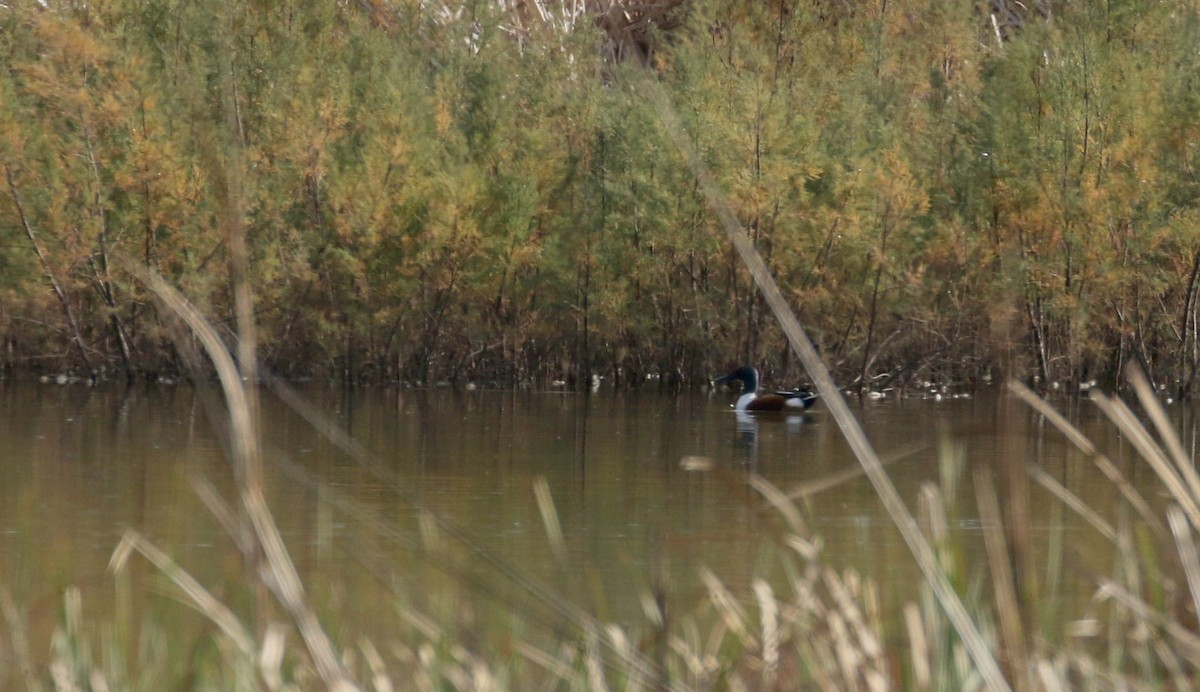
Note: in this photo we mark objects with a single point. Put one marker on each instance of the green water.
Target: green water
(78, 466)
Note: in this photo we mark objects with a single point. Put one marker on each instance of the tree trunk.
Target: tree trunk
(100, 273)
(76, 336)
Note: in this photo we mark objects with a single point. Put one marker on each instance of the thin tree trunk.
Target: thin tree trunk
(100, 273)
(872, 316)
(76, 335)
(1187, 324)
(582, 343)
(1037, 326)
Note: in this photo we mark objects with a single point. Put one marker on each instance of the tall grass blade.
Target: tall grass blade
(810, 488)
(1167, 435)
(1049, 677)
(1001, 571)
(1073, 501)
(620, 643)
(1173, 665)
(270, 657)
(545, 503)
(545, 661)
(20, 639)
(593, 661)
(865, 640)
(199, 597)
(1131, 640)
(380, 681)
(284, 582)
(1185, 543)
(780, 501)
(1140, 438)
(931, 508)
(1187, 639)
(224, 515)
(918, 646)
(731, 612)
(769, 613)
(1081, 442)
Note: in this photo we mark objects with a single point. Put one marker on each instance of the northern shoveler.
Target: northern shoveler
(795, 400)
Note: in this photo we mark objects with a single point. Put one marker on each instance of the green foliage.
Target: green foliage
(474, 193)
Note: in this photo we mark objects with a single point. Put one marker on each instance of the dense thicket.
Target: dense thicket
(479, 190)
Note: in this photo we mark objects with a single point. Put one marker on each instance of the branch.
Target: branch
(59, 293)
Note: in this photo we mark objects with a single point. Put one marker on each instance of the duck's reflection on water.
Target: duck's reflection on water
(747, 425)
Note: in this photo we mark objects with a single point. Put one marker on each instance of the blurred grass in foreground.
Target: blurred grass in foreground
(819, 626)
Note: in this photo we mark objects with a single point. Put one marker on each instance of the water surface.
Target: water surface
(81, 465)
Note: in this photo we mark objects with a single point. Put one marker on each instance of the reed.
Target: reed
(818, 627)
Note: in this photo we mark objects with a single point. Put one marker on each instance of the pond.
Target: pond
(436, 512)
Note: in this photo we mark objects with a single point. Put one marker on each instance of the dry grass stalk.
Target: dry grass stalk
(19, 638)
(224, 515)
(1185, 543)
(849, 658)
(727, 607)
(593, 661)
(434, 531)
(824, 629)
(198, 596)
(1050, 679)
(1172, 663)
(1135, 638)
(619, 642)
(72, 670)
(422, 623)
(781, 502)
(716, 642)
(545, 661)
(1187, 640)
(1166, 432)
(379, 675)
(931, 508)
(1148, 449)
(693, 660)
(818, 657)
(769, 614)
(63, 680)
(652, 609)
(1000, 567)
(806, 490)
(280, 574)
(809, 550)
(482, 678)
(932, 511)
(1137, 633)
(554, 534)
(918, 646)
(1073, 501)
(865, 640)
(1081, 442)
(270, 657)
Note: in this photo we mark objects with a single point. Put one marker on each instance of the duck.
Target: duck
(794, 400)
